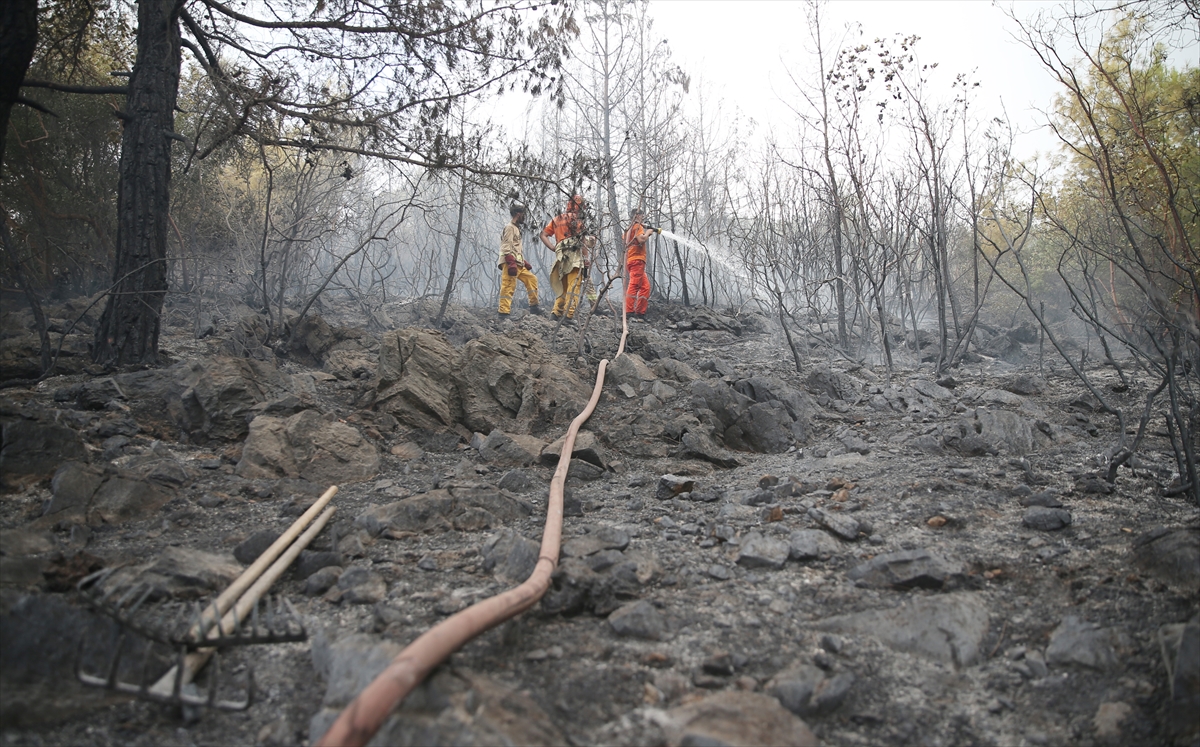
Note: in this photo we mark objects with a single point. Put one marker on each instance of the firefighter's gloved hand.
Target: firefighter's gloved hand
(511, 262)
(528, 266)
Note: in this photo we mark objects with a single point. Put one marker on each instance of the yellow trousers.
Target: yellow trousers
(508, 286)
(570, 295)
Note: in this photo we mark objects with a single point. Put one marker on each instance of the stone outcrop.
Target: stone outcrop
(745, 424)
(510, 382)
(213, 399)
(307, 446)
(415, 373)
(465, 507)
(31, 451)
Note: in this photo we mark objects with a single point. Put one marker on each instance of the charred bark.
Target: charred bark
(18, 38)
(129, 327)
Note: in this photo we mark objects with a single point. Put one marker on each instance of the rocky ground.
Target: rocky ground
(751, 555)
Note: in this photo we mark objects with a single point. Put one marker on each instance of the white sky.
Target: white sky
(743, 48)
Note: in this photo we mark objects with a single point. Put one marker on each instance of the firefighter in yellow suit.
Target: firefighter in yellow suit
(570, 257)
(513, 264)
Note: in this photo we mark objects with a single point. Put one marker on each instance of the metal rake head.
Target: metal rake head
(152, 630)
(142, 607)
(270, 620)
(168, 687)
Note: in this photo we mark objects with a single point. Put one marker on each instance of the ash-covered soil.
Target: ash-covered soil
(750, 553)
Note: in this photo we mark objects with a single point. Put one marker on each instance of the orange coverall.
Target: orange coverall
(637, 292)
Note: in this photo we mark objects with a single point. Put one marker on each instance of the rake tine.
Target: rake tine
(249, 684)
(254, 620)
(197, 628)
(104, 597)
(116, 660)
(161, 620)
(95, 578)
(141, 599)
(178, 687)
(293, 616)
(125, 598)
(79, 659)
(270, 603)
(213, 676)
(145, 679)
(210, 618)
(206, 619)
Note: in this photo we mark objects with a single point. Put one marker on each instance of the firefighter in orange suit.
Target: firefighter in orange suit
(637, 285)
(570, 257)
(513, 265)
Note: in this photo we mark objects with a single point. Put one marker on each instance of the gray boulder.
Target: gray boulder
(1025, 384)
(1172, 555)
(464, 708)
(765, 427)
(670, 368)
(1045, 519)
(1077, 641)
(213, 399)
(604, 538)
(758, 551)
(735, 718)
(509, 381)
(71, 490)
(670, 486)
(840, 524)
(416, 383)
(124, 498)
(510, 451)
(307, 446)
(799, 404)
(1006, 431)
(587, 447)
(833, 384)
(37, 669)
(946, 627)
(805, 690)
(906, 569)
(927, 388)
(811, 544)
(638, 620)
(698, 444)
(311, 338)
(361, 586)
(718, 366)
(743, 424)
(347, 666)
(32, 451)
(467, 507)
(630, 369)
(510, 556)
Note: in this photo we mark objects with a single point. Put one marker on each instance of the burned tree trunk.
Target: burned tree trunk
(458, 231)
(18, 38)
(129, 327)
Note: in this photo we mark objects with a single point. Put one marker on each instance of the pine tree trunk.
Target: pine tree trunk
(18, 38)
(129, 327)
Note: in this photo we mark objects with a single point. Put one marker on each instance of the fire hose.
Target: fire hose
(361, 719)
